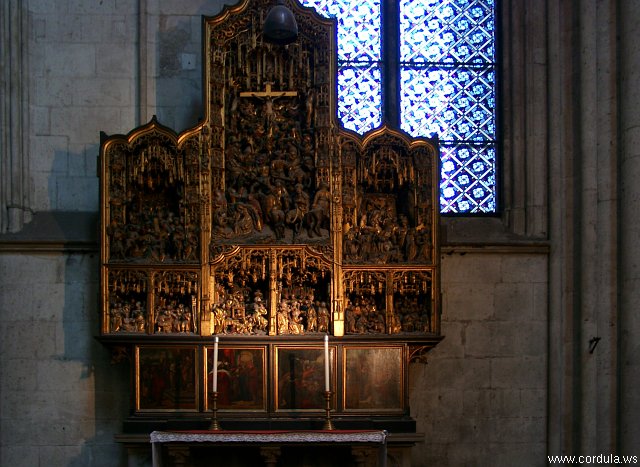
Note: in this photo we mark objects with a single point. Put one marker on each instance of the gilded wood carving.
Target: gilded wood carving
(267, 218)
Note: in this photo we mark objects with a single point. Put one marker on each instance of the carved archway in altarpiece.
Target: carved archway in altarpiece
(269, 226)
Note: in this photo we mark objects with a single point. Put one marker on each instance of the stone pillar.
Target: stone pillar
(583, 300)
(600, 284)
(562, 309)
(524, 117)
(14, 117)
(629, 221)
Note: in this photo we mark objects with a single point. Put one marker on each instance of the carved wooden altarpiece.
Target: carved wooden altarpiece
(269, 225)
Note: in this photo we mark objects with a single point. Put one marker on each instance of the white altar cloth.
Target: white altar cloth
(224, 437)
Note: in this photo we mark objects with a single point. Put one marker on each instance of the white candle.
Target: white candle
(215, 364)
(326, 363)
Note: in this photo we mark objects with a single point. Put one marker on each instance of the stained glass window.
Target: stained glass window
(447, 81)
(359, 55)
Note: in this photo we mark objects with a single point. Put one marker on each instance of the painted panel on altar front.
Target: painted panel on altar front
(301, 378)
(166, 379)
(241, 383)
(373, 379)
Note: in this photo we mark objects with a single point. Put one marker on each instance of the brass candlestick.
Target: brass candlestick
(328, 424)
(214, 426)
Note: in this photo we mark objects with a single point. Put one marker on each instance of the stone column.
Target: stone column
(14, 120)
(629, 221)
(583, 300)
(524, 117)
(562, 307)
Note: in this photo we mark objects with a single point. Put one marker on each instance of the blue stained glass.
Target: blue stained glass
(359, 54)
(447, 81)
(360, 97)
(468, 182)
(453, 103)
(359, 37)
(448, 85)
(447, 31)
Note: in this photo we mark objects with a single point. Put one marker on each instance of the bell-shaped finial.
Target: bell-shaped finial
(280, 25)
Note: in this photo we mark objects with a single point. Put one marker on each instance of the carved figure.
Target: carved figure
(283, 319)
(322, 199)
(309, 107)
(312, 316)
(350, 318)
(323, 317)
(184, 318)
(260, 313)
(138, 318)
(219, 318)
(128, 323)
(116, 318)
(296, 215)
(318, 217)
(295, 319)
(164, 320)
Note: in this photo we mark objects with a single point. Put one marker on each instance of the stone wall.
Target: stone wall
(105, 66)
(481, 398)
(61, 401)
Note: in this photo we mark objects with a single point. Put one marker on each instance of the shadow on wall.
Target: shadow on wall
(179, 96)
(73, 186)
(89, 395)
(90, 401)
(105, 385)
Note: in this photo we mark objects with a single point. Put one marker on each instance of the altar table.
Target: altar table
(368, 447)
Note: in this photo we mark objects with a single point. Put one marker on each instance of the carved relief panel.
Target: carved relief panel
(278, 291)
(271, 118)
(389, 235)
(152, 212)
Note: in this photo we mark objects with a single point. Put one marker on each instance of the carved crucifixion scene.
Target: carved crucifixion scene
(270, 143)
